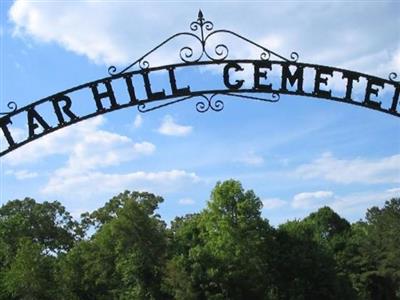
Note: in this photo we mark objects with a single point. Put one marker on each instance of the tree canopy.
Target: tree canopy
(124, 250)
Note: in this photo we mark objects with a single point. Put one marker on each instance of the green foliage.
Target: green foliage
(227, 251)
(124, 258)
(31, 274)
(47, 224)
(327, 225)
(30, 235)
(373, 253)
(306, 262)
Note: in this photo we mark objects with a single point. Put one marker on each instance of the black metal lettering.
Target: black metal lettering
(109, 93)
(259, 74)
(4, 121)
(33, 117)
(172, 80)
(228, 84)
(150, 94)
(395, 101)
(297, 76)
(319, 71)
(351, 77)
(131, 89)
(66, 108)
(370, 90)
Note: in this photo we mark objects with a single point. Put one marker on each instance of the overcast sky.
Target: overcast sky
(297, 155)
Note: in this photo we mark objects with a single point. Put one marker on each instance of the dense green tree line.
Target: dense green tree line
(227, 251)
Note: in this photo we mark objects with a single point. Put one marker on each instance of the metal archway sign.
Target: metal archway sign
(292, 82)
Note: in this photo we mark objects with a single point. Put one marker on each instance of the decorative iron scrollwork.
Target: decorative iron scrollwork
(12, 106)
(207, 101)
(201, 31)
(392, 76)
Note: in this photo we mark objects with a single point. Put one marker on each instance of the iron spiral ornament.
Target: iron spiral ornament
(393, 76)
(201, 31)
(12, 106)
(208, 102)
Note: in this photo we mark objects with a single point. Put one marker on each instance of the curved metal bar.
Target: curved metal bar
(275, 97)
(203, 32)
(142, 106)
(193, 94)
(12, 106)
(186, 53)
(112, 69)
(199, 63)
(293, 55)
(207, 103)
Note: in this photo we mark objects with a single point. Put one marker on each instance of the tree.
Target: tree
(373, 253)
(47, 223)
(184, 273)
(31, 236)
(124, 259)
(305, 268)
(311, 262)
(226, 250)
(327, 225)
(30, 274)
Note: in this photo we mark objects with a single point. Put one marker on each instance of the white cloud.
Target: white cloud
(394, 190)
(346, 171)
(109, 33)
(144, 148)
(59, 142)
(186, 201)
(348, 205)
(98, 45)
(86, 144)
(88, 184)
(18, 134)
(251, 158)
(309, 200)
(169, 127)
(103, 149)
(272, 203)
(22, 174)
(396, 59)
(356, 202)
(89, 152)
(138, 121)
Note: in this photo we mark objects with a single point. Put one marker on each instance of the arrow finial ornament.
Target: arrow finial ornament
(200, 15)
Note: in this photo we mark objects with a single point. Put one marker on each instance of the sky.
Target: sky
(297, 155)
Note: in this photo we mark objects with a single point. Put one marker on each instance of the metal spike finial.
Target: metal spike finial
(200, 15)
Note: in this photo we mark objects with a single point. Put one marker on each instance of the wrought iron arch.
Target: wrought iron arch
(201, 31)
